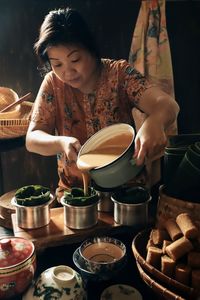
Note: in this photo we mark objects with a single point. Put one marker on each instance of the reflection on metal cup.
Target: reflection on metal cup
(31, 217)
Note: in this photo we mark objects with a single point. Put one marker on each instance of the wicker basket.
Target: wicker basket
(139, 250)
(169, 207)
(157, 287)
(11, 128)
(8, 96)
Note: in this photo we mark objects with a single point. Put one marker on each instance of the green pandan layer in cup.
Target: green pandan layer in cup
(32, 195)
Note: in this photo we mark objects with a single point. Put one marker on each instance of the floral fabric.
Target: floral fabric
(73, 113)
(150, 51)
(150, 55)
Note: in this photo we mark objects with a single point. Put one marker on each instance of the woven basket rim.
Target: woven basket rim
(157, 287)
(139, 243)
(16, 127)
(22, 113)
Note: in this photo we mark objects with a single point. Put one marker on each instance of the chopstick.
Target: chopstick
(20, 100)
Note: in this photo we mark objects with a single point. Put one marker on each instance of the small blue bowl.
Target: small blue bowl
(103, 254)
(91, 276)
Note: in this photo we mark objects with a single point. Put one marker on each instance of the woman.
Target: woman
(82, 93)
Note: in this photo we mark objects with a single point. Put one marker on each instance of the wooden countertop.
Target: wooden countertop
(56, 233)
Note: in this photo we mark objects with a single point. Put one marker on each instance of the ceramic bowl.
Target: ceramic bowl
(103, 254)
(91, 276)
(17, 266)
(121, 292)
(58, 282)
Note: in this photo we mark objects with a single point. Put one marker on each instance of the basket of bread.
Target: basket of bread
(13, 122)
(170, 255)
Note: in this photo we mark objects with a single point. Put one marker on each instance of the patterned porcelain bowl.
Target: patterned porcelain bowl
(17, 266)
(91, 276)
(103, 254)
(58, 282)
(121, 292)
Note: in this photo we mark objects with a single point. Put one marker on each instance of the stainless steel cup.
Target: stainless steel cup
(31, 217)
(80, 217)
(131, 214)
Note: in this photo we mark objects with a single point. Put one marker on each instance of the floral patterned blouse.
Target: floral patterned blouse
(73, 113)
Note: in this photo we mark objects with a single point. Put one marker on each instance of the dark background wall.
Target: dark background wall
(113, 23)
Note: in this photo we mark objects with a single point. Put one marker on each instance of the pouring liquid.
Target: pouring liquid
(104, 154)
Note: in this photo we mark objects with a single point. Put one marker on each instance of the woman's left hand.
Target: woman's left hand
(150, 141)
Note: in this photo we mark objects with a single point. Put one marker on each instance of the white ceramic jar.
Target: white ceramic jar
(58, 282)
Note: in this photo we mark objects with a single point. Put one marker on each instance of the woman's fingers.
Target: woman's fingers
(71, 148)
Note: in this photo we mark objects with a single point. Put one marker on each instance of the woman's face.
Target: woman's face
(73, 65)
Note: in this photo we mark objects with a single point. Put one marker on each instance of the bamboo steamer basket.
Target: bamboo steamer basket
(169, 207)
(15, 122)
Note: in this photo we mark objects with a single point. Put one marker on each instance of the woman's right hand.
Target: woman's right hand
(71, 147)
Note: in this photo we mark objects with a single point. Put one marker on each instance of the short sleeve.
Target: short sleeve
(134, 83)
(45, 105)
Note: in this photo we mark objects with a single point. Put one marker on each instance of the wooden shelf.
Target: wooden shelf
(56, 233)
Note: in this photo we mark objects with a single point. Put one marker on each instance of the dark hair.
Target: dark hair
(64, 26)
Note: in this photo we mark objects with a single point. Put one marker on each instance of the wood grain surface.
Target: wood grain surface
(56, 233)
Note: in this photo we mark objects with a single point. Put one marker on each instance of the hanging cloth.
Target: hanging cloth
(150, 54)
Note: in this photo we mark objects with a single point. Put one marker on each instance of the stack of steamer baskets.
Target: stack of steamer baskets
(13, 123)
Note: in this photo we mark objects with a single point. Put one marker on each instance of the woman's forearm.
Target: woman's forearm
(160, 106)
(43, 143)
(165, 111)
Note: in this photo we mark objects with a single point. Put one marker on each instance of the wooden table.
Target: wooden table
(56, 233)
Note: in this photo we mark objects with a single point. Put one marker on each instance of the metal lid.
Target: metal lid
(14, 251)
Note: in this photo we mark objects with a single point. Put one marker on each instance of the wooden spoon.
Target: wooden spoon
(20, 100)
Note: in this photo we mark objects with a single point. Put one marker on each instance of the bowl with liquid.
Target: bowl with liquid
(103, 254)
(88, 275)
(107, 156)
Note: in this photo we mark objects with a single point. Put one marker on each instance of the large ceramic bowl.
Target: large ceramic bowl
(103, 254)
(91, 276)
(17, 266)
(58, 282)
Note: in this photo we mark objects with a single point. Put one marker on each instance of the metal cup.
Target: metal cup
(80, 217)
(131, 214)
(31, 217)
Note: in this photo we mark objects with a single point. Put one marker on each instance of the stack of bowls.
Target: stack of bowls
(100, 258)
(172, 159)
(184, 183)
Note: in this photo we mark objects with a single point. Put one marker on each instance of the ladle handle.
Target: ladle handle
(20, 100)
